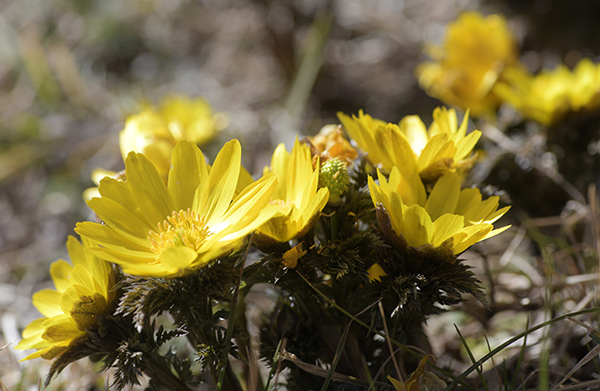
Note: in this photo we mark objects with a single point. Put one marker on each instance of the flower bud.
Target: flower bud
(334, 176)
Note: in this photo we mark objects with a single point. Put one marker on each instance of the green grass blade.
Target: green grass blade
(472, 358)
(512, 340)
(520, 360)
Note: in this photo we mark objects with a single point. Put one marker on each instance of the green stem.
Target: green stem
(229, 334)
(335, 225)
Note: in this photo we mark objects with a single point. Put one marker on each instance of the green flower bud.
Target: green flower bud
(334, 176)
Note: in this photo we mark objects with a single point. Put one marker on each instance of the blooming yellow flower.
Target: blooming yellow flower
(298, 198)
(466, 66)
(83, 291)
(156, 132)
(158, 230)
(440, 225)
(444, 147)
(549, 95)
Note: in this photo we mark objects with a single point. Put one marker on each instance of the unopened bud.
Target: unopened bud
(334, 176)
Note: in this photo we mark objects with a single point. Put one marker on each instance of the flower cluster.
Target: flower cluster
(477, 68)
(444, 222)
(178, 240)
(549, 95)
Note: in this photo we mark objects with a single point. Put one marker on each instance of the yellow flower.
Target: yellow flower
(475, 51)
(444, 147)
(440, 225)
(158, 230)
(297, 197)
(83, 291)
(156, 132)
(549, 95)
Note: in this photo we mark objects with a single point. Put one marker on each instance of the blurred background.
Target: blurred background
(71, 71)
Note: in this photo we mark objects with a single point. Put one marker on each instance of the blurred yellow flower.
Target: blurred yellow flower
(549, 95)
(444, 147)
(83, 291)
(157, 230)
(440, 225)
(466, 66)
(298, 198)
(156, 132)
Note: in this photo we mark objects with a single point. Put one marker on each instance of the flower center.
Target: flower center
(183, 228)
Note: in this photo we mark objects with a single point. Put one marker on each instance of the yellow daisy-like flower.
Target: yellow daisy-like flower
(298, 198)
(83, 291)
(444, 147)
(155, 132)
(466, 66)
(157, 230)
(549, 95)
(440, 225)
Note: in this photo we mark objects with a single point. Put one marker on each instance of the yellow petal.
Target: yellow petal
(119, 191)
(446, 226)
(415, 132)
(315, 206)
(174, 261)
(416, 226)
(112, 238)
(188, 168)
(251, 200)
(468, 198)
(147, 188)
(300, 176)
(475, 233)
(466, 145)
(216, 193)
(60, 329)
(444, 196)
(60, 271)
(47, 301)
(431, 152)
(121, 220)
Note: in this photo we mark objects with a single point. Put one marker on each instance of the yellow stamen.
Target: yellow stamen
(183, 228)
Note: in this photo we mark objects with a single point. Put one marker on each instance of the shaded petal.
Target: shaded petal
(479, 212)
(416, 226)
(468, 198)
(475, 233)
(61, 329)
(445, 227)
(174, 261)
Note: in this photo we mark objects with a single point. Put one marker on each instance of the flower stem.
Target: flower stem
(229, 334)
